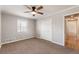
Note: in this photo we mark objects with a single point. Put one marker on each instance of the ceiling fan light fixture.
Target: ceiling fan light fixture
(33, 12)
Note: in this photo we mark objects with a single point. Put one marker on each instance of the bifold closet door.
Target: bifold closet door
(71, 33)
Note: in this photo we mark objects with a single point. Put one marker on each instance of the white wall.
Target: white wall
(9, 28)
(58, 32)
(52, 28)
(44, 29)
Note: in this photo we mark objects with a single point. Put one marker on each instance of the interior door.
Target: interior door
(71, 33)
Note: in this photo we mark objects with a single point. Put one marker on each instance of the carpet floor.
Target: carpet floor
(35, 46)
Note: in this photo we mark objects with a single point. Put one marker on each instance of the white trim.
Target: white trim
(62, 44)
(30, 38)
(14, 41)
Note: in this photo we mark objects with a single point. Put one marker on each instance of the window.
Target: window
(21, 26)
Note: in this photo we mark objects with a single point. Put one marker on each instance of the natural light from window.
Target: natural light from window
(21, 25)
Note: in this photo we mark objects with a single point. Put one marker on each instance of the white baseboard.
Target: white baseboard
(15, 40)
(54, 42)
(57, 43)
(30, 38)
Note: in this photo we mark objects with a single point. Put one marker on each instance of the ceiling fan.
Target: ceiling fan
(34, 10)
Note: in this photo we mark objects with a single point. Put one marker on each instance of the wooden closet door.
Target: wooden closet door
(71, 33)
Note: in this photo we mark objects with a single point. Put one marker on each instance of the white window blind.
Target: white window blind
(21, 26)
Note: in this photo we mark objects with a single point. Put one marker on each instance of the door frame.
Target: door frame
(65, 31)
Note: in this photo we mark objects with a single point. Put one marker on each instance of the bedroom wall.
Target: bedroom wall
(9, 28)
(52, 28)
(44, 29)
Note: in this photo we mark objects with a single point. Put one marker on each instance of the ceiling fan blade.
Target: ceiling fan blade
(28, 7)
(39, 7)
(40, 13)
(27, 11)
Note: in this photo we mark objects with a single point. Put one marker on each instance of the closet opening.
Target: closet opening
(72, 31)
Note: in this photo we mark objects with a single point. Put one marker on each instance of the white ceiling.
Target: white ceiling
(47, 10)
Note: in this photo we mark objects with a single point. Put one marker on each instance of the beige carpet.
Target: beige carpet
(34, 46)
